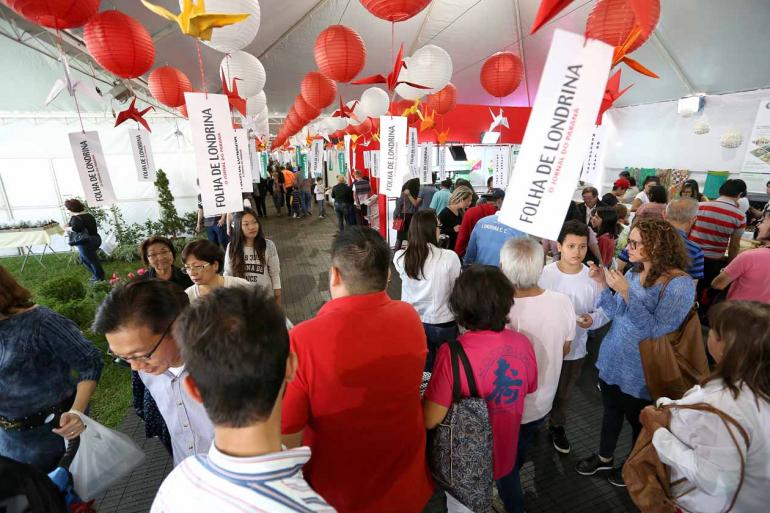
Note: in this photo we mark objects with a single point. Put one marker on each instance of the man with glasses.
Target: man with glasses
(138, 321)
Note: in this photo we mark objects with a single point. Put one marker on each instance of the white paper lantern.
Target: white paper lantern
(255, 104)
(374, 102)
(238, 35)
(247, 69)
(405, 91)
(430, 66)
(335, 124)
(731, 139)
(358, 115)
(701, 127)
(263, 115)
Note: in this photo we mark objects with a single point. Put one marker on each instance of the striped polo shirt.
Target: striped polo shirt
(716, 222)
(693, 251)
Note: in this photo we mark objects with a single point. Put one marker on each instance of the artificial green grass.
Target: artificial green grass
(113, 394)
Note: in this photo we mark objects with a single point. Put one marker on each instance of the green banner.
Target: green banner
(341, 160)
(263, 156)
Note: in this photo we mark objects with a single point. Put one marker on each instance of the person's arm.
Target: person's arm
(722, 281)
(438, 395)
(463, 235)
(228, 270)
(735, 244)
(433, 414)
(229, 223)
(732, 272)
(636, 204)
(414, 201)
(434, 201)
(274, 269)
(567, 347)
(295, 409)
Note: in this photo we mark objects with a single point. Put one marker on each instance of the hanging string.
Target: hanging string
(68, 78)
(200, 68)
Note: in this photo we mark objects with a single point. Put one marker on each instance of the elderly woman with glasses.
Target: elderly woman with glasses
(203, 262)
(159, 254)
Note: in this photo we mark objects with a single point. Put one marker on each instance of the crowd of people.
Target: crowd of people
(328, 415)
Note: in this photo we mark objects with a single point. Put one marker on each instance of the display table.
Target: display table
(24, 239)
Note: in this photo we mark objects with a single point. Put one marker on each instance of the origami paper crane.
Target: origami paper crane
(345, 111)
(548, 9)
(498, 120)
(427, 121)
(392, 79)
(133, 113)
(643, 12)
(620, 54)
(441, 137)
(71, 86)
(414, 109)
(236, 102)
(310, 138)
(193, 19)
(611, 93)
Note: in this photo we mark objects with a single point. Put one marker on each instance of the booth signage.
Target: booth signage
(593, 166)
(557, 136)
(413, 151)
(255, 158)
(442, 163)
(393, 154)
(500, 166)
(367, 159)
(347, 169)
(92, 168)
(142, 150)
(426, 164)
(316, 157)
(375, 169)
(244, 159)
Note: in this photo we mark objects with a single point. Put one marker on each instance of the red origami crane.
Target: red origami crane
(392, 79)
(345, 111)
(133, 113)
(549, 8)
(235, 101)
(611, 93)
(620, 54)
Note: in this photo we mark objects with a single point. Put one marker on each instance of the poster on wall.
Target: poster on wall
(216, 160)
(393, 155)
(141, 148)
(92, 168)
(412, 156)
(426, 163)
(593, 166)
(442, 163)
(756, 164)
(244, 160)
(557, 135)
(316, 157)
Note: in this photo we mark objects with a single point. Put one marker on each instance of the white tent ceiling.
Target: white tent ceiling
(700, 46)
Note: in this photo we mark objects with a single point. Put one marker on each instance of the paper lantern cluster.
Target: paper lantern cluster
(119, 43)
(501, 74)
(395, 10)
(168, 85)
(56, 14)
(340, 53)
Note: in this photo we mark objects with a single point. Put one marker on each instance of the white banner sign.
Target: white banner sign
(557, 135)
(92, 168)
(142, 150)
(213, 140)
(316, 158)
(757, 159)
(393, 164)
(426, 163)
(442, 163)
(367, 159)
(501, 166)
(347, 169)
(375, 169)
(256, 163)
(244, 160)
(412, 158)
(593, 167)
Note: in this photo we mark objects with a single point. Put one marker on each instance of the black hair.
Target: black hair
(236, 359)
(74, 205)
(422, 233)
(693, 186)
(238, 242)
(743, 187)
(609, 222)
(481, 298)
(446, 183)
(573, 227)
(362, 257)
(591, 190)
(205, 250)
(632, 181)
(733, 188)
(624, 174)
(658, 194)
(152, 303)
(651, 178)
(413, 185)
(155, 239)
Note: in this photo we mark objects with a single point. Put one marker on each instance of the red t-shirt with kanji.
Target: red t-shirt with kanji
(505, 371)
(356, 395)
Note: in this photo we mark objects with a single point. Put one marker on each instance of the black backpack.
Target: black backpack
(24, 484)
(460, 451)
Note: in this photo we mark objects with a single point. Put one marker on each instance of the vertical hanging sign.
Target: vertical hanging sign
(316, 157)
(215, 156)
(264, 160)
(244, 159)
(501, 166)
(412, 159)
(92, 168)
(442, 163)
(347, 169)
(142, 150)
(368, 159)
(393, 155)
(375, 169)
(593, 166)
(256, 163)
(426, 164)
(558, 134)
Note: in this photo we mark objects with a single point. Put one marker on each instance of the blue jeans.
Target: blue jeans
(218, 235)
(321, 207)
(306, 199)
(437, 334)
(509, 486)
(90, 258)
(343, 211)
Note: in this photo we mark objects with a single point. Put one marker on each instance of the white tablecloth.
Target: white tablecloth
(31, 237)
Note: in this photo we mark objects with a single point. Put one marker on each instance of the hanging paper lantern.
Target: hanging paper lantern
(56, 14)
(318, 90)
(247, 69)
(374, 102)
(340, 53)
(430, 66)
(304, 110)
(119, 43)
(406, 91)
(168, 85)
(444, 100)
(262, 116)
(294, 120)
(501, 74)
(701, 127)
(238, 35)
(612, 21)
(394, 10)
(338, 123)
(255, 104)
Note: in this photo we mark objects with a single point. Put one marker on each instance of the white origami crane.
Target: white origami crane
(72, 87)
(498, 120)
(178, 134)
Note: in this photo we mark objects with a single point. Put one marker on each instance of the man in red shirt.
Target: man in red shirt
(473, 215)
(355, 399)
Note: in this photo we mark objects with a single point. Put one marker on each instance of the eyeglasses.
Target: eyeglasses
(153, 256)
(634, 244)
(125, 361)
(187, 269)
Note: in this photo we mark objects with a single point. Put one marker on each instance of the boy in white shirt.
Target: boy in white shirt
(569, 276)
(320, 199)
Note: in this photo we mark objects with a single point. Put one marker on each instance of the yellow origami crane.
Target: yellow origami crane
(441, 137)
(427, 121)
(194, 20)
(414, 109)
(309, 138)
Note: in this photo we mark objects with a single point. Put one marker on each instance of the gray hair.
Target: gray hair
(681, 210)
(521, 260)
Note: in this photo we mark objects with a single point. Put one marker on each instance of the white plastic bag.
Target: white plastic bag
(109, 243)
(104, 457)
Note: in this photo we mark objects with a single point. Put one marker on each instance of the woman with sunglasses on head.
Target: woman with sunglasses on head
(40, 351)
(251, 256)
(203, 261)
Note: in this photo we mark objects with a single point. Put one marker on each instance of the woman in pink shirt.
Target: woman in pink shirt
(503, 364)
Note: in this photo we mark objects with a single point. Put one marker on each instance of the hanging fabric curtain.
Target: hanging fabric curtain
(644, 173)
(714, 180)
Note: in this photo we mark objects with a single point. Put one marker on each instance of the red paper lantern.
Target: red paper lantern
(120, 44)
(612, 21)
(394, 10)
(340, 53)
(56, 14)
(294, 121)
(444, 100)
(304, 110)
(501, 74)
(317, 90)
(168, 85)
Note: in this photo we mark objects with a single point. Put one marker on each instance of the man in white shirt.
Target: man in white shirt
(137, 320)
(239, 373)
(569, 276)
(547, 318)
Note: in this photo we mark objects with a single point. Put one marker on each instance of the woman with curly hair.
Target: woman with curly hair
(651, 300)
